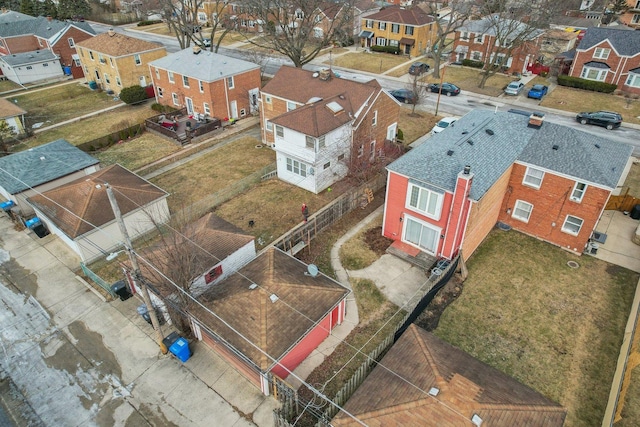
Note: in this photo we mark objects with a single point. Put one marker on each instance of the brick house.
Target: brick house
(477, 40)
(115, 61)
(323, 126)
(207, 83)
(411, 30)
(609, 55)
(425, 381)
(549, 181)
(631, 16)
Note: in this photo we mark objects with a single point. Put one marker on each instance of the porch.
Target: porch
(184, 128)
(412, 255)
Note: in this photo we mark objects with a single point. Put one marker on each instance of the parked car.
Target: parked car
(443, 124)
(537, 91)
(204, 43)
(608, 119)
(514, 88)
(404, 95)
(418, 68)
(448, 89)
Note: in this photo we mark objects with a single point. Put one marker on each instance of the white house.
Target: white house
(31, 67)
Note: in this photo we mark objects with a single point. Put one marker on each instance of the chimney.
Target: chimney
(196, 50)
(111, 32)
(535, 120)
(49, 18)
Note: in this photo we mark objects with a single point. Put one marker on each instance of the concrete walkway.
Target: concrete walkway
(618, 248)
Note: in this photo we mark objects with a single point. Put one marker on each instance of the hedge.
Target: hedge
(585, 84)
(472, 63)
(133, 94)
(110, 139)
(387, 49)
(151, 22)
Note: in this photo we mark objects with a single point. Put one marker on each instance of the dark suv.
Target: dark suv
(418, 68)
(608, 119)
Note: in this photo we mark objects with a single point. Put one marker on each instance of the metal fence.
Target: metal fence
(97, 279)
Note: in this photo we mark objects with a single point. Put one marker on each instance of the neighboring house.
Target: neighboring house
(611, 56)
(322, 126)
(210, 12)
(555, 42)
(362, 9)
(80, 213)
(266, 318)
(487, 41)
(13, 116)
(29, 67)
(42, 168)
(207, 83)
(411, 30)
(543, 179)
(425, 381)
(31, 34)
(631, 16)
(115, 61)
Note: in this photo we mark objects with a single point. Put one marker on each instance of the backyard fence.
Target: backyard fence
(112, 138)
(97, 279)
(623, 202)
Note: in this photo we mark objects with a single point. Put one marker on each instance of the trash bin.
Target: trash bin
(40, 230)
(142, 311)
(180, 349)
(635, 212)
(120, 288)
(170, 339)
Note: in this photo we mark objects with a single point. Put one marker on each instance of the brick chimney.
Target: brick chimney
(535, 120)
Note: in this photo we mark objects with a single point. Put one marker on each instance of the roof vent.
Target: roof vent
(476, 420)
(597, 145)
(314, 99)
(43, 158)
(433, 391)
(450, 153)
(555, 147)
(470, 141)
(253, 286)
(489, 131)
(464, 132)
(273, 298)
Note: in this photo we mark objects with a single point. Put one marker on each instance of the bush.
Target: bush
(585, 84)
(387, 49)
(543, 74)
(162, 108)
(472, 63)
(151, 22)
(400, 135)
(133, 94)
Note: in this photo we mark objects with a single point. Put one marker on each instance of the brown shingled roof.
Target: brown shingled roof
(81, 205)
(397, 395)
(401, 15)
(318, 119)
(274, 327)
(117, 44)
(9, 109)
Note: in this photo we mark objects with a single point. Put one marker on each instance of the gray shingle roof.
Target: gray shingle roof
(26, 58)
(597, 64)
(19, 24)
(626, 43)
(505, 27)
(512, 140)
(206, 66)
(41, 164)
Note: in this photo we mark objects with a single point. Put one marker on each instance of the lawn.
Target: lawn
(376, 63)
(468, 78)
(553, 328)
(355, 254)
(416, 125)
(401, 71)
(633, 180)
(576, 100)
(7, 85)
(61, 103)
(137, 152)
(93, 127)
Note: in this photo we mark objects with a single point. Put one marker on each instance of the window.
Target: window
(341, 157)
(91, 56)
(321, 143)
(296, 167)
(635, 19)
(423, 200)
(522, 211)
(361, 150)
(118, 82)
(185, 81)
(213, 274)
(633, 80)
(374, 119)
(421, 234)
(45, 65)
(464, 35)
(578, 191)
(207, 109)
(368, 23)
(382, 25)
(476, 56)
(101, 59)
(201, 86)
(279, 131)
(310, 142)
(29, 67)
(408, 30)
(269, 126)
(175, 99)
(601, 53)
(157, 74)
(479, 38)
(598, 74)
(230, 82)
(372, 151)
(113, 65)
(572, 225)
(395, 28)
(381, 41)
(291, 105)
(137, 59)
(106, 78)
(326, 165)
(267, 99)
(76, 62)
(170, 74)
(160, 93)
(533, 177)
(71, 42)
(299, 14)
(394, 43)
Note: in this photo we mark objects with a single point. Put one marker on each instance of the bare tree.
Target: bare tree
(7, 133)
(181, 17)
(418, 86)
(298, 29)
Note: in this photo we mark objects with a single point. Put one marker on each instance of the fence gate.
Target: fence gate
(97, 279)
(623, 202)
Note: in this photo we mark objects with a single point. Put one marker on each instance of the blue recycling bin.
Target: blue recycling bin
(6, 206)
(32, 223)
(180, 349)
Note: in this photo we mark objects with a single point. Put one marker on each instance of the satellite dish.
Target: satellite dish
(312, 270)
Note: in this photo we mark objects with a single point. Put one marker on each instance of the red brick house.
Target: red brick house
(321, 126)
(609, 55)
(207, 83)
(480, 41)
(549, 181)
(424, 381)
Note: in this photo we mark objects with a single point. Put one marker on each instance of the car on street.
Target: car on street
(404, 95)
(204, 43)
(418, 68)
(448, 89)
(537, 91)
(607, 119)
(514, 88)
(443, 124)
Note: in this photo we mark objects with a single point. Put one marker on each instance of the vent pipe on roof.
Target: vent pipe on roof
(111, 32)
(467, 169)
(450, 153)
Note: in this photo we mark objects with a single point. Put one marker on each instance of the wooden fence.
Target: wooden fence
(622, 203)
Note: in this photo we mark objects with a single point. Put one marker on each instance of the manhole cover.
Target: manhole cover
(573, 264)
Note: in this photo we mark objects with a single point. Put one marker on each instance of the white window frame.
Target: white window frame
(185, 81)
(310, 142)
(572, 221)
(101, 59)
(176, 100)
(268, 125)
(424, 201)
(522, 206)
(137, 59)
(118, 82)
(201, 86)
(230, 83)
(206, 108)
(106, 78)
(71, 42)
(578, 191)
(382, 25)
(601, 53)
(408, 30)
(633, 80)
(91, 56)
(372, 151)
(368, 23)
(279, 131)
(157, 73)
(171, 77)
(600, 74)
(479, 39)
(476, 55)
(297, 167)
(160, 92)
(381, 41)
(435, 231)
(361, 150)
(374, 119)
(530, 178)
(291, 105)
(267, 99)
(395, 28)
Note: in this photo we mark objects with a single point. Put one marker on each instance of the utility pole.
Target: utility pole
(137, 275)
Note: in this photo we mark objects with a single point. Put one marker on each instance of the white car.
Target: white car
(443, 124)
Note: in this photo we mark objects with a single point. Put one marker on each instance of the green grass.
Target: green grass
(555, 329)
(370, 62)
(355, 254)
(137, 152)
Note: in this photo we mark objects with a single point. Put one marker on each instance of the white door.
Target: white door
(254, 95)
(421, 235)
(233, 106)
(143, 81)
(189, 105)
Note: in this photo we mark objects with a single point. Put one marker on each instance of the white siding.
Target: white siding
(230, 264)
(38, 72)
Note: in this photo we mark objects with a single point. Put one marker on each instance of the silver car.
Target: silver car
(514, 88)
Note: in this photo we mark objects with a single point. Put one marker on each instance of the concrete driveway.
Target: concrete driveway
(618, 248)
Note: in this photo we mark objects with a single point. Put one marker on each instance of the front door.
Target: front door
(189, 103)
(407, 49)
(143, 81)
(233, 106)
